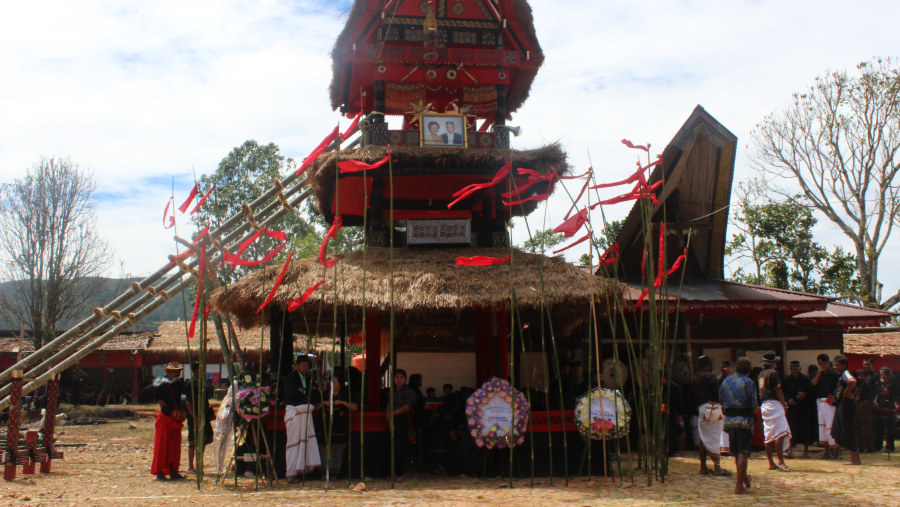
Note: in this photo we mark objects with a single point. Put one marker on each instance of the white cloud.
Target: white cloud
(143, 91)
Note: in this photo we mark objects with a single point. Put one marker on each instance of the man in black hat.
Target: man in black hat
(772, 406)
(798, 391)
(302, 450)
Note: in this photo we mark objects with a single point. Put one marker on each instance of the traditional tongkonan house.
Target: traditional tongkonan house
(434, 183)
(720, 318)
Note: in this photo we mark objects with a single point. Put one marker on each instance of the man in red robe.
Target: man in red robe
(167, 440)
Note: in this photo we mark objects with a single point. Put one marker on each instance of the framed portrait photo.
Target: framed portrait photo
(442, 130)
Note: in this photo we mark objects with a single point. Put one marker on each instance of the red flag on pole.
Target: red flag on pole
(203, 199)
(352, 166)
(277, 282)
(580, 240)
(332, 232)
(573, 224)
(293, 305)
(318, 150)
(166, 214)
(190, 198)
(347, 133)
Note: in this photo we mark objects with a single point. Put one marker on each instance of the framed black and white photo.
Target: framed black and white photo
(442, 130)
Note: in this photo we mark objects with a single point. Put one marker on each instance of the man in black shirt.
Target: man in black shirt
(824, 383)
(798, 391)
(844, 428)
(886, 393)
(302, 450)
(777, 432)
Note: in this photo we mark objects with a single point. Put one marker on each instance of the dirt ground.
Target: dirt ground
(114, 469)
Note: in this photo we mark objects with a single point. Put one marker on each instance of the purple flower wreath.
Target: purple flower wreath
(497, 435)
(254, 402)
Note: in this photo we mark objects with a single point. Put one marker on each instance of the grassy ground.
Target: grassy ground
(113, 468)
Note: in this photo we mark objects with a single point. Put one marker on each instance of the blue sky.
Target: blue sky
(141, 92)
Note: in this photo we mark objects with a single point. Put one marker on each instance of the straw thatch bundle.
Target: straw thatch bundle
(414, 160)
(428, 287)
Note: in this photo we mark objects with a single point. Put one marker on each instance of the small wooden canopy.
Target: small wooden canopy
(475, 45)
(698, 167)
(425, 180)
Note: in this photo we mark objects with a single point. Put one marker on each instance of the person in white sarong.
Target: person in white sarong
(824, 383)
(708, 423)
(302, 448)
(776, 431)
(301, 454)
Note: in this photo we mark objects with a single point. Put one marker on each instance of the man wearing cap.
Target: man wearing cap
(824, 383)
(301, 453)
(737, 394)
(167, 438)
(706, 425)
(797, 391)
(776, 430)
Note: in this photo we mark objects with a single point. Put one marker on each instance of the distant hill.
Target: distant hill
(109, 288)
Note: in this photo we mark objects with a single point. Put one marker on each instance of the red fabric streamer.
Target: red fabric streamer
(318, 151)
(352, 166)
(537, 197)
(573, 224)
(661, 261)
(471, 189)
(347, 133)
(293, 305)
(202, 233)
(235, 260)
(677, 263)
(485, 126)
(642, 297)
(276, 235)
(206, 312)
(581, 240)
(332, 232)
(481, 260)
(166, 214)
(203, 199)
(628, 143)
(575, 202)
(582, 175)
(278, 280)
(190, 198)
(606, 260)
(202, 272)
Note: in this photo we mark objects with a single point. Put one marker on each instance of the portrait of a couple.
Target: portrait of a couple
(442, 130)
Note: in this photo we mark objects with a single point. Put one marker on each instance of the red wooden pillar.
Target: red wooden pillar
(372, 360)
(12, 433)
(491, 344)
(27, 460)
(50, 422)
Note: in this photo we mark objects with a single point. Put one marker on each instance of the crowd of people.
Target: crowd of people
(832, 406)
(795, 411)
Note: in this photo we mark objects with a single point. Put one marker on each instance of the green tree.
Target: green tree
(542, 241)
(603, 241)
(243, 175)
(839, 141)
(775, 240)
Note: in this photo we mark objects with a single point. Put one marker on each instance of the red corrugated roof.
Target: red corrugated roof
(727, 295)
(845, 315)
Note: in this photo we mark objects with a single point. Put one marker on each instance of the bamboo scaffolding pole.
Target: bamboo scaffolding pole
(72, 351)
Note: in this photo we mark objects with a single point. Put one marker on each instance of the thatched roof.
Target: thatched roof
(883, 341)
(364, 12)
(169, 344)
(411, 160)
(122, 342)
(428, 287)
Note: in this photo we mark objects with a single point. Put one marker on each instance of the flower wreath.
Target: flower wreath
(490, 415)
(602, 414)
(253, 401)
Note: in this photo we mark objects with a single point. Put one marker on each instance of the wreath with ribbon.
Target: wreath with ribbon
(253, 401)
(497, 414)
(602, 414)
